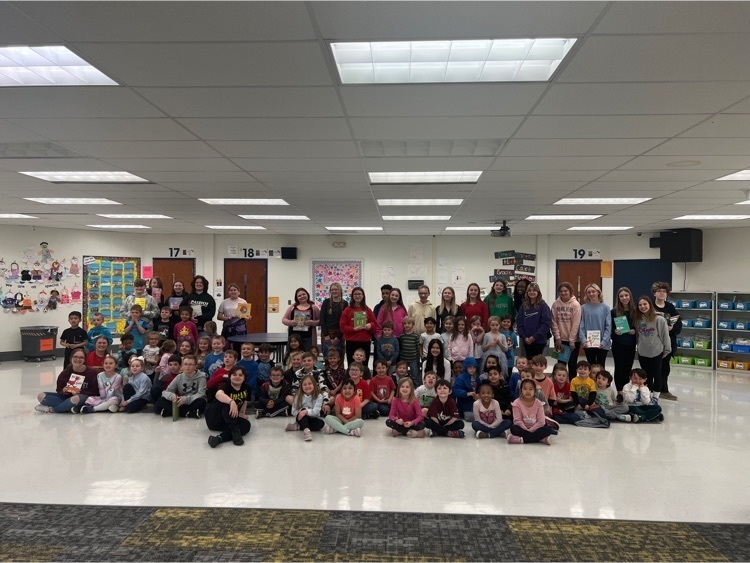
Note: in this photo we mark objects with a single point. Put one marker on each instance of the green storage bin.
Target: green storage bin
(702, 344)
(675, 359)
(703, 362)
(687, 361)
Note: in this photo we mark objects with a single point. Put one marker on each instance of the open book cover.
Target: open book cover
(76, 381)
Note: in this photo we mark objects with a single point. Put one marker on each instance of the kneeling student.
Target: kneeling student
(227, 412)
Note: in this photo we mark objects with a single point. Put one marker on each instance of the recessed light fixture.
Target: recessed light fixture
(684, 163)
(711, 218)
(119, 226)
(276, 217)
(416, 217)
(741, 175)
(482, 60)
(446, 177)
(562, 217)
(73, 200)
(236, 227)
(52, 65)
(131, 216)
(492, 228)
(85, 177)
(420, 202)
(602, 200)
(354, 228)
(599, 228)
(16, 216)
(240, 201)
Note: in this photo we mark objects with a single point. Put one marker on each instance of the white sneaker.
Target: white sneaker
(114, 408)
(292, 427)
(356, 432)
(43, 408)
(329, 430)
(308, 435)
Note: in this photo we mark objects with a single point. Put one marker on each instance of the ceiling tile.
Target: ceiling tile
(243, 129)
(173, 164)
(143, 149)
(299, 164)
(722, 126)
(285, 149)
(606, 127)
(704, 146)
(675, 17)
(73, 101)
(671, 175)
(706, 162)
(425, 164)
(578, 147)
(10, 133)
(559, 162)
(434, 127)
(540, 175)
(103, 129)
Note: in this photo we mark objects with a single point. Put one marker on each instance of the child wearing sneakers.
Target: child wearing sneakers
(110, 390)
(308, 368)
(347, 417)
(443, 417)
(529, 424)
(306, 408)
(637, 396)
(606, 399)
(488, 418)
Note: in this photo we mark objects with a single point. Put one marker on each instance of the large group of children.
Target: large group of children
(200, 377)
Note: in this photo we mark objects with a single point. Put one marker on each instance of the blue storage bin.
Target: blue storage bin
(724, 347)
(684, 343)
(726, 324)
(704, 304)
(726, 305)
(682, 304)
(742, 306)
(701, 323)
(688, 323)
(744, 348)
(741, 325)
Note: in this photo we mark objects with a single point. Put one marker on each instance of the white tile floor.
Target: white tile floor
(693, 467)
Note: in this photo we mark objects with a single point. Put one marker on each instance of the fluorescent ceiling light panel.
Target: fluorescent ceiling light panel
(236, 227)
(131, 216)
(275, 217)
(482, 60)
(562, 217)
(81, 177)
(239, 201)
(73, 200)
(416, 217)
(599, 228)
(119, 226)
(420, 201)
(53, 65)
(712, 217)
(448, 177)
(601, 200)
(16, 216)
(741, 175)
(492, 228)
(354, 228)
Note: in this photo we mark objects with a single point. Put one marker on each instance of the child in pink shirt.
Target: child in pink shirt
(529, 425)
(406, 413)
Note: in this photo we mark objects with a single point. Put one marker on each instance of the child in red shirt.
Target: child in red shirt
(362, 389)
(382, 388)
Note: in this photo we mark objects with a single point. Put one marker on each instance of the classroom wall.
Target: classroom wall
(724, 267)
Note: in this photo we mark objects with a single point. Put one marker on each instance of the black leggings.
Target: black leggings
(624, 357)
(312, 422)
(218, 419)
(443, 429)
(535, 349)
(165, 405)
(133, 406)
(531, 437)
(401, 429)
(596, 355)
(665, 369)
(573, 360)
(652, 367)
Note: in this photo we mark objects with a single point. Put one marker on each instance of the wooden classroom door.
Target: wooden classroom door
(171, 270)
(252, 277)
(580, 273)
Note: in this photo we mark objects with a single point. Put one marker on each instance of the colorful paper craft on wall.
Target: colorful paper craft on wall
(107, 280)
(349, 273)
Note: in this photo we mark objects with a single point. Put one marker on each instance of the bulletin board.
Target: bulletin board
(107, 280)
(349, 273)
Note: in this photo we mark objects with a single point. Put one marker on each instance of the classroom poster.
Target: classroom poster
(107, 280)
(349, 273)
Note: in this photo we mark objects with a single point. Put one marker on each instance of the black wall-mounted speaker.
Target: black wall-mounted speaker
(288, 252)
(681, 245)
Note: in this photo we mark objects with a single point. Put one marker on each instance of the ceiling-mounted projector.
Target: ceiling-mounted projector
(502, 232)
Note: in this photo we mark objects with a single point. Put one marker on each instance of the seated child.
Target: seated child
(273, 393)
(386, 347)
(402, 370)
(186, 329)
(500, 392)
(95, 358)
(564, 410)
(221, 374)
(641, 404)
(247, 361)
(264, 363)
(360, 357)
(606, 399)
(164, 325)
(347, 411)
(137, 388)
(334, 373)
(514, 383)
(186, 392)
(426, 392)
(202, 349)
(98, 329)
(174, 365)
(465, 389)
(529, 423)
(405, 417)
(362, 389)
(308, 368)
(215, 359)
(490, 361)
(126, 352)
(457, 368)
(538, 365)
(110, 390)
(382, 388)
(186, 347)
(488, 418)
(210, 329)
(227, 413)
(151, 356)
(442, 416)
(307, 407)
(318, 364)
(583, 388)
(296, 360)
(294, 344)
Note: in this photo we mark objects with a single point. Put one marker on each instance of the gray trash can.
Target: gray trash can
(38, 342)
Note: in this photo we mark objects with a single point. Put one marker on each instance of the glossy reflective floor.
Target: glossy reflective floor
(693, 467)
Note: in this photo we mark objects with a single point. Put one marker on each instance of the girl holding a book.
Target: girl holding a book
(358, 325)
(302, 317)
(595, 331)
(566, 319)
(75, 384)
(232, 314)
(623, 336)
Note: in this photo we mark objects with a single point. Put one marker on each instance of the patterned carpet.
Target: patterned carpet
(30, 532)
